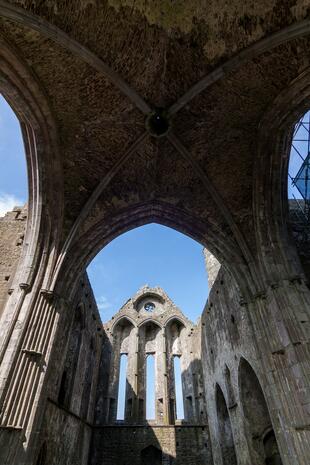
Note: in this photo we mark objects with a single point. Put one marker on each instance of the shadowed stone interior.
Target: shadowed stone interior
(88, 81)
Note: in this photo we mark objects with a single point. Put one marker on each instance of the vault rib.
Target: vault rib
(182, 150)
(94, 197)
(294, 31)
(27, 19)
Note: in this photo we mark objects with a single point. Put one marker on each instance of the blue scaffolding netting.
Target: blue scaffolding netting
(302, 180)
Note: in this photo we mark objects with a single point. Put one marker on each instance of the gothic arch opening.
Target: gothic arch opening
(178, 374)
(151, 456)
(150, 371)
(97, 169)
(152, 254)
(122, 378)
(226, 438)
(258, 426)
(229, 388)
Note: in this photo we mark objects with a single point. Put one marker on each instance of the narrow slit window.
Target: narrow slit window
(178, 388)
(150, 387)
(122, 388)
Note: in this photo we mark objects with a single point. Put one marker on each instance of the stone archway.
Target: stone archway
(258, 426)
(226, 439)
(151, 456)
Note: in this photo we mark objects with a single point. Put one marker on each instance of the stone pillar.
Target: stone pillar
(136, 377)
(165, 380)
(113, 385)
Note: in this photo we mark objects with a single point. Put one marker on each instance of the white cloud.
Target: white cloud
(8, 202)
(103, 304)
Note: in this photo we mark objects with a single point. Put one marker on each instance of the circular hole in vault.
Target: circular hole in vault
(157, 123)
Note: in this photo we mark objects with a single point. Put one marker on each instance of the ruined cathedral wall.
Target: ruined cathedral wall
(226, 337)
(166, 439)
(12, 230)
(138, 445)
(69, 413)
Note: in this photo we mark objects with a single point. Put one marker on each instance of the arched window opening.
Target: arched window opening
(151, 456)
(226, 439)
(299, 171)
(160, 256)
(150, 387)
(229, 388)
(178, 388)
(272, 456)
(122, 388)
(122, 377)
(263, 448)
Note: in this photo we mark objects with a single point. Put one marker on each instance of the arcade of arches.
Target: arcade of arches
(141, 112)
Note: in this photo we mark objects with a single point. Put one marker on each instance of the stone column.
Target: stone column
(135, 376)
(165, 380)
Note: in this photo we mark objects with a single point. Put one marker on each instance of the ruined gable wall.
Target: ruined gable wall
(121, 442)
(12, 230)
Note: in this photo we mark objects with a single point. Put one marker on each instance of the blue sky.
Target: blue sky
(13, 175)
(153, 254)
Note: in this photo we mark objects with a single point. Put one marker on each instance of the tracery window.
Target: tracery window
(149, 306)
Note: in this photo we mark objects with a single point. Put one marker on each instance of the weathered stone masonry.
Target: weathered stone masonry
(12, 231)
(149, 323)
(87, 81)
(227, 395)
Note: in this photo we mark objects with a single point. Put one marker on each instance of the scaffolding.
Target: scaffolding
(299, 172)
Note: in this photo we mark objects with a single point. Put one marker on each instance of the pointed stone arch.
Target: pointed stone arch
(151, 455)
(258, 425)
(225, 434)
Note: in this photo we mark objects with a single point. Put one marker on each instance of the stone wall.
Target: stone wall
(70, 406)
(124, 445)
(165, 332)
(239, 419)
(12, 230)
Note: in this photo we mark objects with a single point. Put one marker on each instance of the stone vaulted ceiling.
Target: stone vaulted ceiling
(104, 65)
